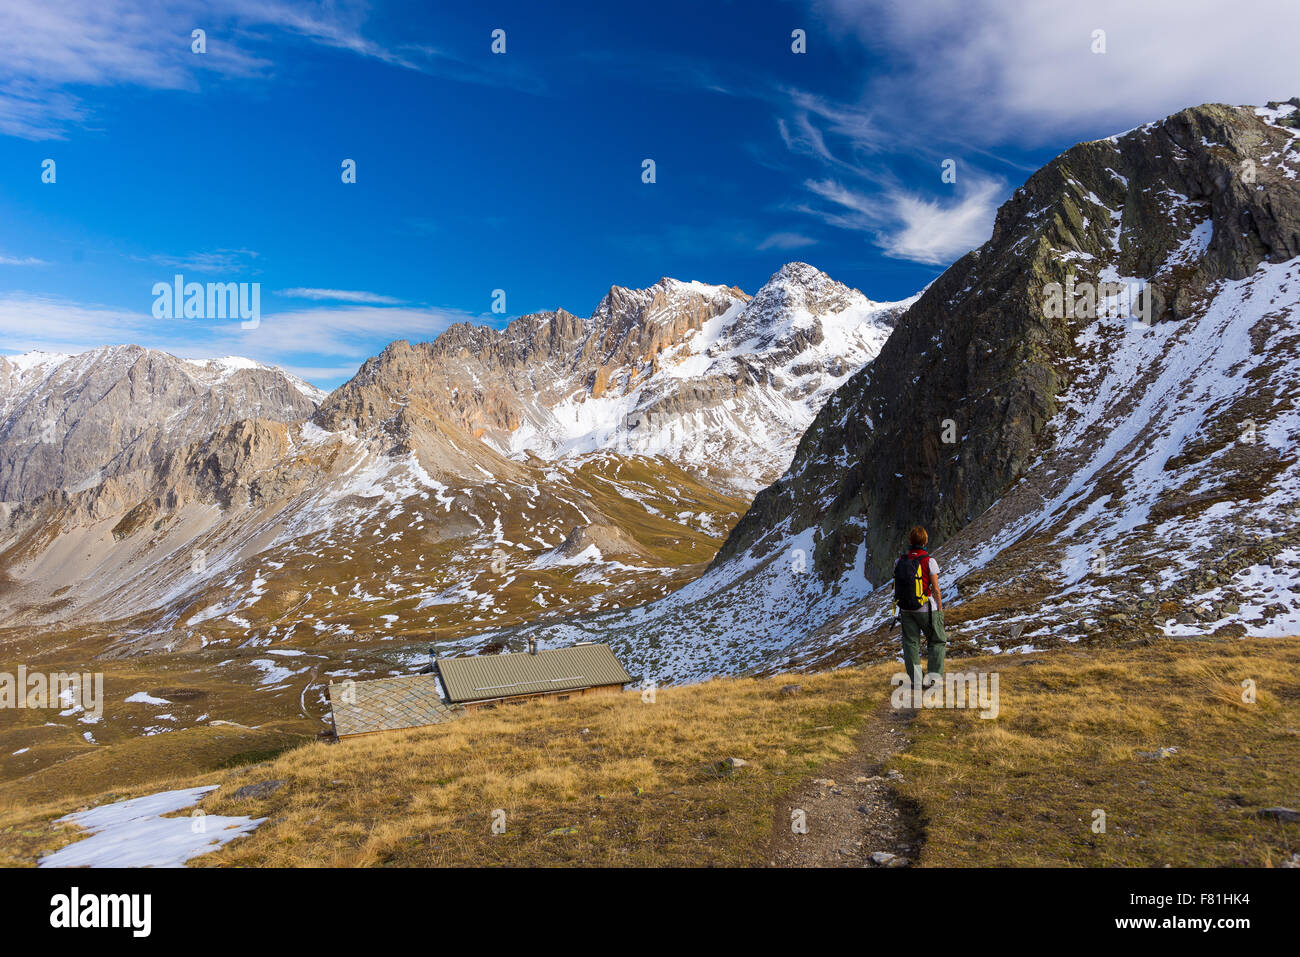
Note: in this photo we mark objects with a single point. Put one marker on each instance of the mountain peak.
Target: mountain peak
(703, 373)
(1048, 452)
(663, 298)
(74, 422)
(797, 270)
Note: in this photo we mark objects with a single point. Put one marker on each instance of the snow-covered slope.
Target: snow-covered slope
(733, 395)
(713, 380)
(761, 368)
(557, 466)
(1086, 474)
(221, 370)
(1170, 503)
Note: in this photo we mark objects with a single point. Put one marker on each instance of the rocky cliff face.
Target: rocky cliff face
(701, 374)
(490, 381)
(957, 405)
(69, 423)
(1095, 414)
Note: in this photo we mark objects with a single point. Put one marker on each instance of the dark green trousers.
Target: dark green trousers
(915, 624)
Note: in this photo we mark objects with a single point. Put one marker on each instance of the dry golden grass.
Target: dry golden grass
(41, 759)
(635, 781)
(1022, 789)
(615, 781)
(141, 761)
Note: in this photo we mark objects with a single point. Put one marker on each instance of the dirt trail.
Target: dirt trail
(850, 809)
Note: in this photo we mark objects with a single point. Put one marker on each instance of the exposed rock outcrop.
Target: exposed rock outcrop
(1095, 414)
(979, 350)
(73, 422)
(702, 374)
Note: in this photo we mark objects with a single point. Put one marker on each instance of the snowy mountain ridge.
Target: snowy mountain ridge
(556, 466)
(792, 345)
(702, 374)
(1121, 469)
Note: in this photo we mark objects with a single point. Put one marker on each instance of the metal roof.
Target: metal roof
(387, 704)
(483, 677)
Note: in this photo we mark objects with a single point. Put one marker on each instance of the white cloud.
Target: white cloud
(46, 48)
(323, 376)
(937, 233)
(24, 261)
(866, 193)
(866, 210)
(786, 241)
(334, 340)
(35, 114)
(855, 126)
(1005, 69)
(339, 295)
(958, 78)
(33, 322)
(908, 225)
(339, 24)
(347, 331)
(209, 261)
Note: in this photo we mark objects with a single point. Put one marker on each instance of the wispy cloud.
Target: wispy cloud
(702, 242)
(338, 25)
(785, 241)
(929, 231)
(32, 113)
(50, 53)
(966, 77)
(339, 295)
(908, 225)
(816, 118)
(58, 325)
(665, 69)
(860, 191)
(352, 332)
(23, 261)
(47, 48)
(210, 261)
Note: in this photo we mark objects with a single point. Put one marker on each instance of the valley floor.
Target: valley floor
(1156, 736)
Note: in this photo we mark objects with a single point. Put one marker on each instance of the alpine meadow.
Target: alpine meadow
(784, 435)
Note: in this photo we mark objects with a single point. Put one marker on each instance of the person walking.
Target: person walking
(920, 606)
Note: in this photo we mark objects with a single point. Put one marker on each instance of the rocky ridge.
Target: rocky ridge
(69, 423)
(1087, 412)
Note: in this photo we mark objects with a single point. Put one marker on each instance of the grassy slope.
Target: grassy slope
(396, 555)
(318, 585)
(44, 755)
(637, 784)
(1022, 789)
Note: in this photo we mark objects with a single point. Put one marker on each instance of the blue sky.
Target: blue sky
(522, 171)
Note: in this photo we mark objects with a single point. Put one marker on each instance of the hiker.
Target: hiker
(919, 606)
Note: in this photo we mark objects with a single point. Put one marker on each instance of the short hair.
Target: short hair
(918, 536)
